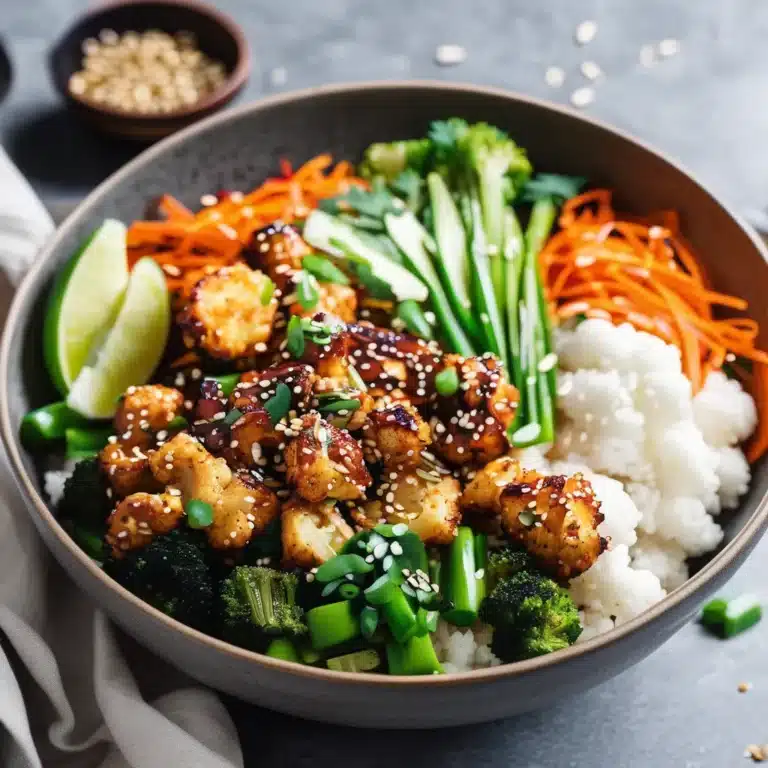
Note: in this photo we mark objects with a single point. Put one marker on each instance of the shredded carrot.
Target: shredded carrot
(643, 272)
(188, 245)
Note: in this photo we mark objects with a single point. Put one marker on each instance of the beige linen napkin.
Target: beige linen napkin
(81, 704)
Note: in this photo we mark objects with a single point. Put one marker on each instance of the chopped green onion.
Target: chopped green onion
(729, 618)
(199, 513)
(48, 423)
(279, 404)
(82, 443)
(330, 587)
(460, 583)
(283, 648)
(415, 657)
(400, 616)
(233, 416)
(339, 566)
(267, 292)
(177, 423)
(369, 621)
(307, 290)
(359, 661)
(227, 382)
(332, 624)
(355, 379)
(323, 269)
(340, 405)
(381, 591)
(295, 337)
(349, 591)
(447, 382)
(416, 323)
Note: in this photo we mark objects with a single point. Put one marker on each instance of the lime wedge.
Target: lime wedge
(84, 302)
(132, 348)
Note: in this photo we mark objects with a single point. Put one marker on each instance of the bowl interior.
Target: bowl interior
(237, 150)
(213, 35)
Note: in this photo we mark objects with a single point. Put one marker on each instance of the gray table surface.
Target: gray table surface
(680, 707)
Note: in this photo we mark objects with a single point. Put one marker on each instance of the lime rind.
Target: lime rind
(132, 349)
(84, 302)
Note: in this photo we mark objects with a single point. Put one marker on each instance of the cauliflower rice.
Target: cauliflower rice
(663, 463)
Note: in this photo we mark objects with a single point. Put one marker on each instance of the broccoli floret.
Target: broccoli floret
(258, 604)
(531, 616)
(390, 160)
(170, 573)
(85, 506)
(505, 562)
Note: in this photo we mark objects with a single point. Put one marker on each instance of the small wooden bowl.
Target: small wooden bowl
(217, 35)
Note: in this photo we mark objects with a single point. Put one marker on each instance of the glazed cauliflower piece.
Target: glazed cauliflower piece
(278, 250)
(555, 518)
(430, 508)
(312, 532)
(226, 316)
(471, 425)
(325, 462)
(139, 517)
(242, 505)
(146, 411)
(333, 299)
(388, 361)
(127, 469)
(254, 428)
(483, 492)
(396, 434)
(330, 359)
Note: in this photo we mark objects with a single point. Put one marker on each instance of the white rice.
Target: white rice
(663, 463)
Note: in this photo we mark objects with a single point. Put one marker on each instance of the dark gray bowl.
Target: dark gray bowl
(238, 149)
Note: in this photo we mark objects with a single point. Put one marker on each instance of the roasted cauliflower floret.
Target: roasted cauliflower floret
(127, 469)
(242, 506)
(327, 347)
(471, 425)
(556, 520)
(325, 462)
(430, 508)
(277, 250)
(483, 492)
(396, 435)
(145, 411)
(138, 517)
(334, 299)
(227, 315)
(312, 532)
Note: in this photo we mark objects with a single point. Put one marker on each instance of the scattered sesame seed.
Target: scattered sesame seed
(450, 55)
(554, 77)
(669, 47)
(585, 32)
(591, 70)
(582, 97)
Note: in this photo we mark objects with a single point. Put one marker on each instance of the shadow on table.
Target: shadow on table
(58, 147)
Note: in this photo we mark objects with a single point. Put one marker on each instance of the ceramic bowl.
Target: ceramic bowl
(236, 150)
(217, 35)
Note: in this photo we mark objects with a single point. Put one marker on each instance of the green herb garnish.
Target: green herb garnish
(339, 566)
(552, 185)
(233, 416)
(267, 292)
(323, 269)
(447, 382)
(295, 337)
(307, 290)
(279, 404)
(199, 513)
(339, 405)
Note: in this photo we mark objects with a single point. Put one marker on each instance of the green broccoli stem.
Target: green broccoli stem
(411, 239)
(259, 600)
(332, 624)
(415, 657)
(283, 648)
(460, 582)
(49, 423)
(401, 617)
(536, 393)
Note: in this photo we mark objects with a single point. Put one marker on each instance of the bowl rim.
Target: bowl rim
(235, 79)
(29, 285)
